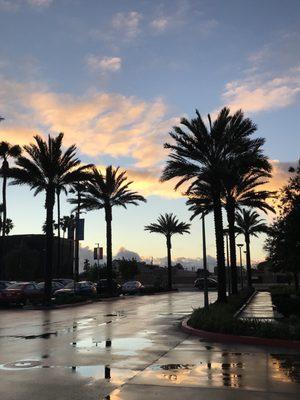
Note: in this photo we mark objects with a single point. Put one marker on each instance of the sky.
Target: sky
(115, 76)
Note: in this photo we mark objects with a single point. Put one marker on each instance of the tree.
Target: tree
(199, 156)
(283, 243)
(105, 192)
(7, 151)
(128, 268)
(249, 223)
(42, 169)
(168, 225)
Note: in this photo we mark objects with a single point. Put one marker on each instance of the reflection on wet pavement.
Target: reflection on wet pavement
(286, 367)
(101, 351)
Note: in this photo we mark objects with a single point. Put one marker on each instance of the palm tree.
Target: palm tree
(43, 168)
(244, 176)
(168, 225)
(199, 156)
(105, 192)
(6, 151)
(248, 223)
(66, 222)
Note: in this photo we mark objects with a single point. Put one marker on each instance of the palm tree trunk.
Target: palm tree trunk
(231, 228)
(50, 200)
(206, 303)
(248, 261)
(108, 219)
(62, 249)
(218, 219)
(4, 184)
(296, 281)
(76, 272)
(169, 246)
(58, 231)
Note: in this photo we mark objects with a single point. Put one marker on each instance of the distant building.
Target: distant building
(24, 257)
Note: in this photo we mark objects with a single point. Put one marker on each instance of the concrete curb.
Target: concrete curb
(245, 304)
(248, 340)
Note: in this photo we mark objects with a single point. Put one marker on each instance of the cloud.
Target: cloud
(103, 64)
(15, 5)
(127, 254)
(127, 23)
(160, 24)
(40, 3)
(255, 95)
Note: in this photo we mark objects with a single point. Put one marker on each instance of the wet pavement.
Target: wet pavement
(261, 307)
(132, 349)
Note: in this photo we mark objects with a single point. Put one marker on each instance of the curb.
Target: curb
(57, 307)
(248, 340)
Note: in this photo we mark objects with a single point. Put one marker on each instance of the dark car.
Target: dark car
(55, 286)
(63, 281)
(132, 287)
(102, 287)
(211, 283)
(21, 293)
(83, 288)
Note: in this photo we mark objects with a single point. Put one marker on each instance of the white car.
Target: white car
(132, 287)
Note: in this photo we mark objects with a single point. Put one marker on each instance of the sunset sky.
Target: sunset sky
(115, 76)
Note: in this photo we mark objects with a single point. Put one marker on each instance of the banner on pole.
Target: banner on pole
(80, 229)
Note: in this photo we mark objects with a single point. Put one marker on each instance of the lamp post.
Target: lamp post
(240, 245)
(204, 262)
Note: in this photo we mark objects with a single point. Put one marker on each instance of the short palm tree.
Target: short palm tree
(198, 155)
(7, 151)
(168, 225)
(105, 191)
(42, 169)
(241, 188)
(249, 224)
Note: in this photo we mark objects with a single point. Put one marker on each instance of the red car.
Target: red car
(21, 293)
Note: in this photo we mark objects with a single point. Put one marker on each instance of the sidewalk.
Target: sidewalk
(260, 307)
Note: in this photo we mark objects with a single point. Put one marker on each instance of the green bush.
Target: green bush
(285, 299)
(220, 318)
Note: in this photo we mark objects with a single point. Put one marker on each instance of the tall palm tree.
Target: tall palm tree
(44, 167)
(105, 191)
(66, 222)
(198, 155)
(7, 151)
(249, 224)
(168, 225)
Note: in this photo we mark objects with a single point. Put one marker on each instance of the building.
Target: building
(24, 258)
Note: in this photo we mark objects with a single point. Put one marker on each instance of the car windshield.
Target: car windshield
(69, 285)
(16, 286)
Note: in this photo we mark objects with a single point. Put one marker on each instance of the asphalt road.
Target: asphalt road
(133, 349)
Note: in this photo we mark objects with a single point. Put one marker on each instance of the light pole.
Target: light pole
(240, 245)
(204, 263)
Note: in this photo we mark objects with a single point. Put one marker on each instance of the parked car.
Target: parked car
(83, 288)
(55, 286)
(132, 287)
(63, 281)
(21, 293)
(211, 283)
(102, 287)
(5, 284)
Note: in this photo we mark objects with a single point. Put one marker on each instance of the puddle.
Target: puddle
(216, 374)
(286, 367)
(20, 365)
(124, 346)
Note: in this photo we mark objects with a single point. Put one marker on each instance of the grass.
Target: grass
(220, 318)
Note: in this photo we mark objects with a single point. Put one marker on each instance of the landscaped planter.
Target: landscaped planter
(248, 340)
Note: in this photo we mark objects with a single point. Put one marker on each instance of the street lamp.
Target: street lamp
(240, 245)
